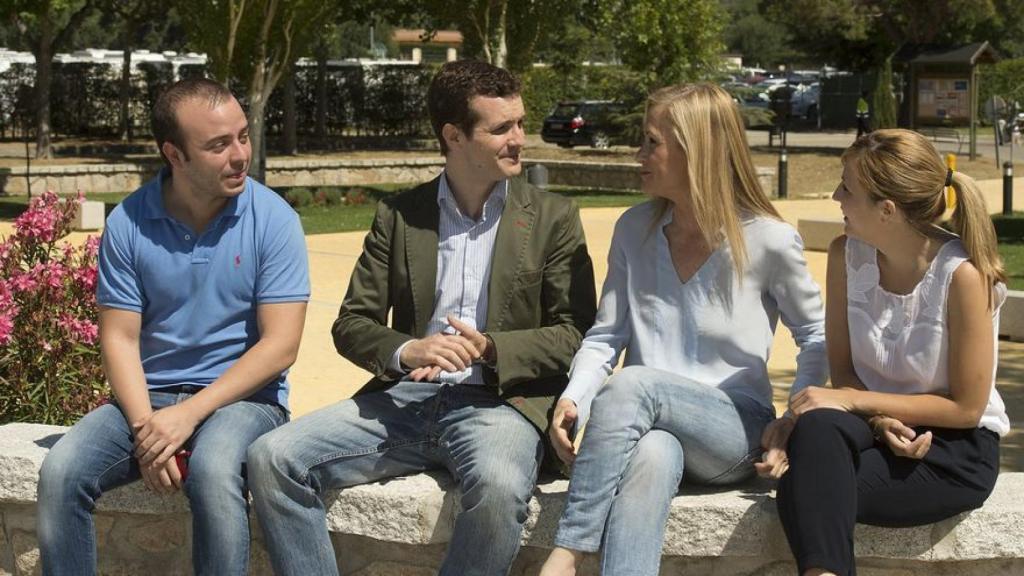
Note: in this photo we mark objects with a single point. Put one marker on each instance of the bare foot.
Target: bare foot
(818, 572)
(561, 562)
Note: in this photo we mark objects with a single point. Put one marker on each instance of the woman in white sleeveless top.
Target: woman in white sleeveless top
(909, 432)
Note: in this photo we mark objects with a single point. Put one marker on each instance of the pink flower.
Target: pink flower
(45, 220)
(92, 246)
(6, 326)
(88, 332)
(81, 330)
(23, 282)
(6, 295)
(86, 278)
(54, 274)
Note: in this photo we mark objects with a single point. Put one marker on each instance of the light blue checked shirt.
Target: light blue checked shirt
(464, 252)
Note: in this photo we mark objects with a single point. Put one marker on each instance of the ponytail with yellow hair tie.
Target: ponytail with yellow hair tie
(950, 191)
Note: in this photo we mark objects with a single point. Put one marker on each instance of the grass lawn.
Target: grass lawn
(342, 218)
(1013, 260)
(345, 218)
(1010, 230)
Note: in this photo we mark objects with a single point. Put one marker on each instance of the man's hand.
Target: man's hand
(561, 424)
(162, 478)
(815, 397)
(162, 434)
(425, 374)
(482, 343)
(774, 440)
(449, 352)
(900, 438)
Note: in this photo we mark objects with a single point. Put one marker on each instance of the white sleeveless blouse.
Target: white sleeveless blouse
(899, 343)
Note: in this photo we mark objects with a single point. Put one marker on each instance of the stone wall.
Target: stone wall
(400, 527)
(101, 178)
(286, 172)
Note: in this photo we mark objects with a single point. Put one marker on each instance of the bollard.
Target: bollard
(783, 164)
(1007, 188)
(537, 175)
(950, 195)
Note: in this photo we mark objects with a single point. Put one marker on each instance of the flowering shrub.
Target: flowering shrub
(50, 368)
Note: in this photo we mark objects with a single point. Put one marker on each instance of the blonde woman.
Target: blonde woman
(697, 280)
(909, 432)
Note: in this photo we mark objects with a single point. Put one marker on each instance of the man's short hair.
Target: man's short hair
(455, 84)
(165, 120)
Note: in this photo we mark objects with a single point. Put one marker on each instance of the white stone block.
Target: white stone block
(1011, 316)
(89, 216)
(766, 177)
(818, 233)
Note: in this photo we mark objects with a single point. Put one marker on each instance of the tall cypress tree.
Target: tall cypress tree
(883, 101)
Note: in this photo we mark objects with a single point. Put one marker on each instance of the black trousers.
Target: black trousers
(862, 126)
(839, 475)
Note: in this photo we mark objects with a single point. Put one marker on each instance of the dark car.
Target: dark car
(583, 123)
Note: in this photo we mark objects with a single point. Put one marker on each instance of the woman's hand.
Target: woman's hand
(900, 438)
(774, 440)
(815, 397)
(562, 422)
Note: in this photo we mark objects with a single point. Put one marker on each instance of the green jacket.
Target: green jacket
(863, 109)
(541, 298)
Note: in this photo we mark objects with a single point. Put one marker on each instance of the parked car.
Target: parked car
(583, 123)
(805, 101)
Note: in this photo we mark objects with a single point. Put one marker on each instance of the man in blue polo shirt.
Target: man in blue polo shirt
(202, 291)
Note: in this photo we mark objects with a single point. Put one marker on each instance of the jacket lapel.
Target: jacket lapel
(421, 237)
(510, 245)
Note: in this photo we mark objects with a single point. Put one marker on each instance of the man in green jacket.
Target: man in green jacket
(490, 289)
(863, 115)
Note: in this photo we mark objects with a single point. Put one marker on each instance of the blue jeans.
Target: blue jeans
(96, 455)
(643, 422)
(491, 450)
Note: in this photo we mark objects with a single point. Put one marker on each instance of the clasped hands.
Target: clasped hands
(449, 352)
(158, 437)
(900, 438)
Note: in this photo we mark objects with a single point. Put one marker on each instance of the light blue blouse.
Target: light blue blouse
(712, 329)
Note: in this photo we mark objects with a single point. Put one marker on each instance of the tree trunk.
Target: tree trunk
(44, 77)
(289, 135)
(126, 90)
(321, 94)
(257, 135)
(501, 47)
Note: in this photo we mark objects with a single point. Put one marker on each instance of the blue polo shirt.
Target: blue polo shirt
(198, 294)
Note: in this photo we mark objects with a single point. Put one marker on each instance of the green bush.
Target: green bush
(1001, 79)
(298, 197)
(754, 116)
(356, 197)
(543, 88)
(1010, 228)
(327, 196)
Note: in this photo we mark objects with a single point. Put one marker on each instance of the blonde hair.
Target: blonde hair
(723, 183)
(904, 167)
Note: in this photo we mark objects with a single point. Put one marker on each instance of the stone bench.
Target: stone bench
(401, 527)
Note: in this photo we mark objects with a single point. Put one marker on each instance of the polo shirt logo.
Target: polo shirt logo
(238, 260)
